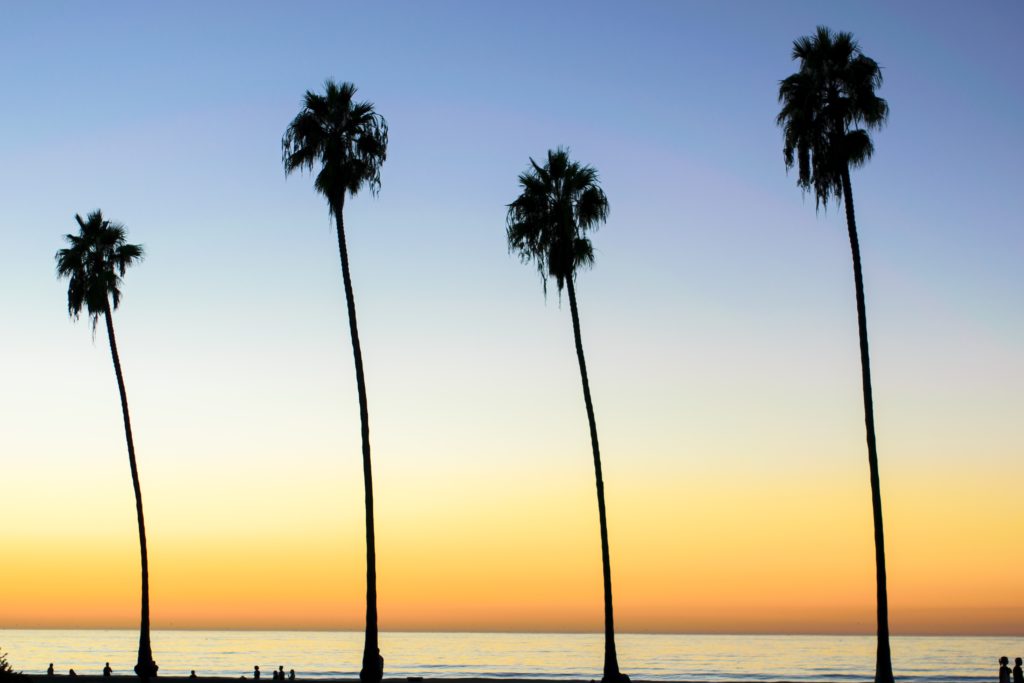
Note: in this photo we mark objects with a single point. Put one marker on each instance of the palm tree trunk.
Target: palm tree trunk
(611, 660)
(883, 666)
(373, 663)
(145, 667)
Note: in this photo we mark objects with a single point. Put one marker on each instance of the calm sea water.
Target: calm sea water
(729, 659)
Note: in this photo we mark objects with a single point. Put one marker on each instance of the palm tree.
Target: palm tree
(828, 106)
(548, 224)
(94, 263)
(348, 140)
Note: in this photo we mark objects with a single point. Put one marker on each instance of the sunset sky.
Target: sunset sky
(719, 322)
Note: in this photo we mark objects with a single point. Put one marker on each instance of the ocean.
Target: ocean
(724, 658)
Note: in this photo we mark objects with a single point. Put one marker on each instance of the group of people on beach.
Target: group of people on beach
(107, 671)
(279, 674)
(1004, 670)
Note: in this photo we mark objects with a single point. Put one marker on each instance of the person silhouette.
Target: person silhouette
(280, 673)
(1018, 675)
(49, 669)
(275, 675)
(1004, 670)
(291, 675)
(71, 672)
(193, 674)
(107, 670)
(256, 673)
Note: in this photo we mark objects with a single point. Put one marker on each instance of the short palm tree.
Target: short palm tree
(547, 224)
(348, 141)
(94, 263)
(828, 107)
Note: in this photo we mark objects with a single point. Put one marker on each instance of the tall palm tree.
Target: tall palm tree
(348, 141)
(828, 107)
(94, 263)
(547, 224)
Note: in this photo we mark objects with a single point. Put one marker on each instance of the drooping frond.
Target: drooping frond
(548, 223)
(94, 263)
(828, 106)
(346, 139)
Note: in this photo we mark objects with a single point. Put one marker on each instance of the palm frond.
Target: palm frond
(347, 140)
(858, 147)
(547, 223)
(823, 105)
(93, 264)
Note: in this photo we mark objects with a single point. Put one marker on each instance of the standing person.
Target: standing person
(49, 669)
(107, 670)
(1004, 670)
(256, 672)
(1018, 675)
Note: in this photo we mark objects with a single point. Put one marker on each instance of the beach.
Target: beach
(226, 679)
(78, 678)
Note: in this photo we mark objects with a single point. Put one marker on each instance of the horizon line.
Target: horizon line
(257, 629)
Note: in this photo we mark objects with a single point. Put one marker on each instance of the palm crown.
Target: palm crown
(348, 139)
(822, 106)
(548, 222)
(94, 263)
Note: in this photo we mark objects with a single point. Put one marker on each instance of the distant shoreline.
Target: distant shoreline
(456, 632)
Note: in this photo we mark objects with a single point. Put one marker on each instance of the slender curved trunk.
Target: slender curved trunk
(145, 667)
(611, 660)
(883, 666)
(373, 663)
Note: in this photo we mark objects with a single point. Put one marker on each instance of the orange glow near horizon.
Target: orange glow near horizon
(685, 558)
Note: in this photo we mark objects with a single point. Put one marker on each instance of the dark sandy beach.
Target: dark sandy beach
(80, 678)
(64, 678)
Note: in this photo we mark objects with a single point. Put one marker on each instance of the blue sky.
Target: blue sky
(719, 321)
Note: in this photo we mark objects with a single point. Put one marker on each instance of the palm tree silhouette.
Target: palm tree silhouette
(548, 224)
(348, 141)
(824, 105)
(93, 264)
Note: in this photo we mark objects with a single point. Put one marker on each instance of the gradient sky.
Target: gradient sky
(719, 322)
